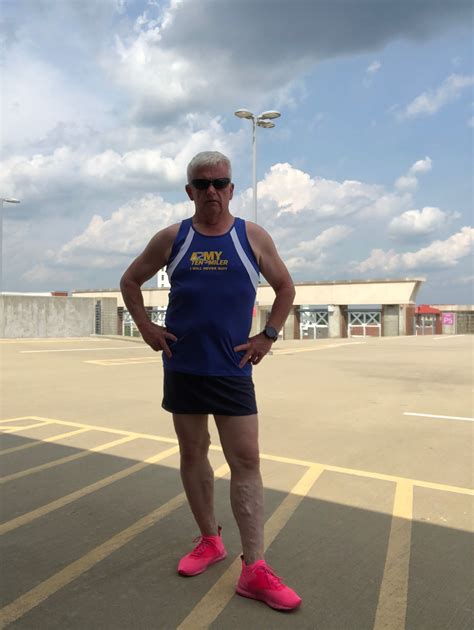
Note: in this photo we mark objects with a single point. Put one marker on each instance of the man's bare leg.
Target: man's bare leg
(196, 471)
(239, 440)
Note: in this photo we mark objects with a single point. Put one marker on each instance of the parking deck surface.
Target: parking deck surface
(366, 448)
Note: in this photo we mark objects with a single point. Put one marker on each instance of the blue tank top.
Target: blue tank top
(214, 281)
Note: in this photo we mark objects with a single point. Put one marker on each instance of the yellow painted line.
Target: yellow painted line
(65, 460)
(278, 352)
(79, 349)
(34, 597)
(39, 442)
(395, 479)
(276, 458)
(370, 475)
(282, 514)
(19, 521)
(7, 420)
(24, 428)
(216, 599)
(129, 361)
(146, 436)
(392, 604)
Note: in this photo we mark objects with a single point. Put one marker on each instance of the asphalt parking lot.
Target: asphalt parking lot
(366, 448)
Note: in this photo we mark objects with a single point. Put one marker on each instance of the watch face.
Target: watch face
(271, 332)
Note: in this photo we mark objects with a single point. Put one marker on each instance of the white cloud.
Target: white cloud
(300, 264)
(108, 243)
(409, 181)
(309, 256)
(431, 101)
(105, 243)
(414, 223)
(328, 237)
(406, 182)
(438, 255)
(42, 273)
(373, 68)
(165, 62)
(168, 81)
(110, 171)
(370, 73)
(295, 192)
(292, 204)
(181, 56)
(422, 166)
(38, 94)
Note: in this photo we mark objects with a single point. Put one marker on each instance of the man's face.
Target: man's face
(211, 201)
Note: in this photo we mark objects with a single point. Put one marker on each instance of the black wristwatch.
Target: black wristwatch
(270, 332)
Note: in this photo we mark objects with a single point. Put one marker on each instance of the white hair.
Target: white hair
(208, 158)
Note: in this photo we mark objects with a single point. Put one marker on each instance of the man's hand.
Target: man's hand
(257, 347)
(155, 336)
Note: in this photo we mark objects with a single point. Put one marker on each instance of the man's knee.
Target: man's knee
(244, 460)
(193, 451)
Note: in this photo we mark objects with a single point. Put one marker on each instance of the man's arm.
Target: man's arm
(275, 272)
(153, 258)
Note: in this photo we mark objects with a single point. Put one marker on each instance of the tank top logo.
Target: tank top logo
(207, 261)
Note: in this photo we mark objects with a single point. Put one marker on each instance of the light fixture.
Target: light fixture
(243, 113)
(270, 114)
(263, 120)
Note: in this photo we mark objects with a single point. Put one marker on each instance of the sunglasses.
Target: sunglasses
(203, 184)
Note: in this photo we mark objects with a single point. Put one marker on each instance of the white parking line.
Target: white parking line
(430, 415)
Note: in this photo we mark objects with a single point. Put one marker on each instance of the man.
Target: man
(213, 262)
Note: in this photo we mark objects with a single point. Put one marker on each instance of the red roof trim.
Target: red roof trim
(425, 309)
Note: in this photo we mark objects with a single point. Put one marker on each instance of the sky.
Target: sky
(367, 174)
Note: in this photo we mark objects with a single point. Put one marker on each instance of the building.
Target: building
(162, 280)
(346, 308)
(358, 308)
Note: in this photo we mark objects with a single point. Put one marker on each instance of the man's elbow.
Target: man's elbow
(127, 281)
(290, 287)
(291, 292)
(123, 281)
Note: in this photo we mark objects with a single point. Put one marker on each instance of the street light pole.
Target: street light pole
(254, 167)
(263, 120)
(2, 201)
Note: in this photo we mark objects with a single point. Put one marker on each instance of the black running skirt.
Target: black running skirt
(220, 395)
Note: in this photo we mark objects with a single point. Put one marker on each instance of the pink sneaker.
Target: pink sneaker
(258, 581)
(209, 550)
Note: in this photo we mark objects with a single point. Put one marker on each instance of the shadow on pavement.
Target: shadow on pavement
(332, 554)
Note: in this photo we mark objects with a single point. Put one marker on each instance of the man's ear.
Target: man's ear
(231, 191)
(189, 190)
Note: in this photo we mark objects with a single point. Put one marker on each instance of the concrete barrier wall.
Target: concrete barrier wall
(33, 316)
